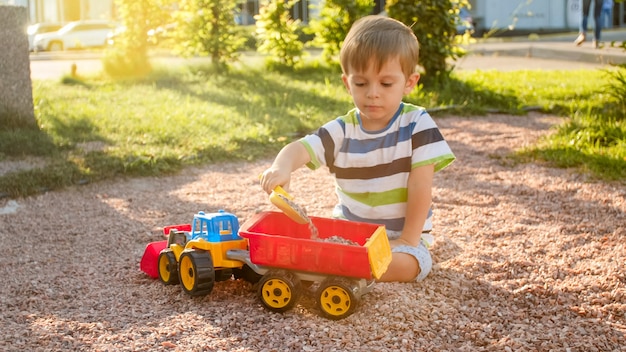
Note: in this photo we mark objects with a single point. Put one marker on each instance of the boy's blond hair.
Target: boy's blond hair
(379, 38)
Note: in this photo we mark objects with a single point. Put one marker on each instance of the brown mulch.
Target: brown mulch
(527, 258)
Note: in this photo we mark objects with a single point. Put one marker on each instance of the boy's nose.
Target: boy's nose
(372, 92)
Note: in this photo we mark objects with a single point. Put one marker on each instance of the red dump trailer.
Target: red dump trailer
(340, 259)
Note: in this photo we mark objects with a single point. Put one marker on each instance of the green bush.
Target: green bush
(249, 41)
(207, 28)
(278, 34)
(129, 55)
(121, 63)
(433, 22)
(336, 18)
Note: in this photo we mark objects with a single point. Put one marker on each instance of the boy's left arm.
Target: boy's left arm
(419, 199)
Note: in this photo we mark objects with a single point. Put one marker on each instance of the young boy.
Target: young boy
(384, 153)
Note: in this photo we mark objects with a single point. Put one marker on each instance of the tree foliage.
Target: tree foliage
(277, 33)
(332, 26)
(129, 55)
(207, 28)
(433, 22)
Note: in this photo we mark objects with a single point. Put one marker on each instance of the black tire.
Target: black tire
(223, 274)
(246, 273)
(336, 297)
(279, 290)
(168, 268)
(196, 272)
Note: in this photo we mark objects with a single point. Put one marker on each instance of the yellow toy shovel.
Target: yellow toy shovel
(284, 201)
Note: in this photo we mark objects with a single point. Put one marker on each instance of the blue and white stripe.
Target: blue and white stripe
(371, 168)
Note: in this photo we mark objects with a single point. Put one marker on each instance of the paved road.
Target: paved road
(512, 63)
(54, 69)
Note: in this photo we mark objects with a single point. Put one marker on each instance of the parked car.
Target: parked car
(114, 34)
(40, 28)
(153, 36)
(75, 35)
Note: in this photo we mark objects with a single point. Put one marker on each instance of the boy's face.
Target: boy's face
(377, 95)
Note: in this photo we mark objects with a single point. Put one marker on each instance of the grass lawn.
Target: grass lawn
(98, 129)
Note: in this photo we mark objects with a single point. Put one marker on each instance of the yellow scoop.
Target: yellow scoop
(284, 201)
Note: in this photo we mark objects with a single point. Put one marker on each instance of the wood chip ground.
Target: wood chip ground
(527, 258)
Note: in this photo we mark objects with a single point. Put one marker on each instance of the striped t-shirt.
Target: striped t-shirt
(371, 168)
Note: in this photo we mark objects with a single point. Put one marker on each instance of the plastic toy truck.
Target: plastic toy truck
(278, 255)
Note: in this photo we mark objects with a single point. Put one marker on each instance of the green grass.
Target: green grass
(100, 129)
(559, 92)
(593, 138)
(589, 142)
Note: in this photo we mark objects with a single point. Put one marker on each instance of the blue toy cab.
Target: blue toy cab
(215, 227)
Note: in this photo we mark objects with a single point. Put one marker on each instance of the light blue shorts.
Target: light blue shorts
(421, 254)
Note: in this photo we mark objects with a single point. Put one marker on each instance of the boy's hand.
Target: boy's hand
(273, 177)
(291, 157)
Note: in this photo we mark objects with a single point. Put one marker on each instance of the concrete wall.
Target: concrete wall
(544, 15)
(16, 94)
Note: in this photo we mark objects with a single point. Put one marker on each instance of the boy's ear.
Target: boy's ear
(344, 78)
(411, 82)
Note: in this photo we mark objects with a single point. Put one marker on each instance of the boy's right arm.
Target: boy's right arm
(293, 156)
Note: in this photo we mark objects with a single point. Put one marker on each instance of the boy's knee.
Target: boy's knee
(423, 257)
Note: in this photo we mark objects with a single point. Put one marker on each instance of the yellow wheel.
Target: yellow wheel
(168, 268)
(196, 272)
(337, 297)
(279, 290)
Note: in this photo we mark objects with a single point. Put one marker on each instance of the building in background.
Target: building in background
(64, 11)
(303, 10)
(538, 16)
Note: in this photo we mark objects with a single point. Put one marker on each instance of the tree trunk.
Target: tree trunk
(16, 94)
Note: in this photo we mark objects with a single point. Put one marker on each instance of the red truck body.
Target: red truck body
(276, 241)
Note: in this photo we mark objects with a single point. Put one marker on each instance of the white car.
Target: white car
(75, 35)
(40, 28)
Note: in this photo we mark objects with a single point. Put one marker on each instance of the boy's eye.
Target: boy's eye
(359, 84)
(387, 84)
